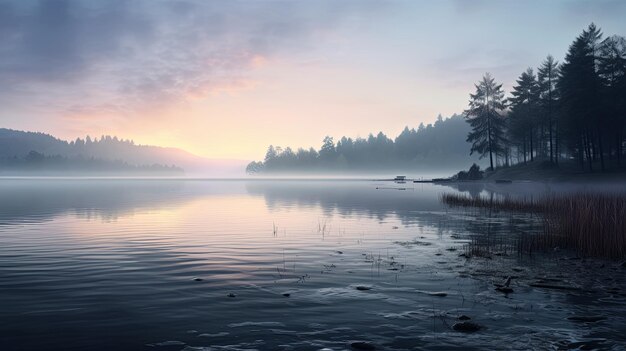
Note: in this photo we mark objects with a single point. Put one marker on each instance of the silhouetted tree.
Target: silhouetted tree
(524, 110)
(327, 152)
(579, 87)
(612, 71)
(485, 118)
(439, 144)
(547, 76)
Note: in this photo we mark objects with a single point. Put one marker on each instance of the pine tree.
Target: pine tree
(485, 117)
(612, 71)
(524, 108)
(547, 76)
(578, 84)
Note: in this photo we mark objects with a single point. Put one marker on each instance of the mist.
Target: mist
(373, 175)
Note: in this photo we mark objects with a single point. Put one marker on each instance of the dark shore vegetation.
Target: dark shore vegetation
(558, 112)
(440, 145)
(592, 224)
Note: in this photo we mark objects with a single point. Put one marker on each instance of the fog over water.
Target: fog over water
(275, 264)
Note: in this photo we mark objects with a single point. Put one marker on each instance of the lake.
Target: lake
(286, 265)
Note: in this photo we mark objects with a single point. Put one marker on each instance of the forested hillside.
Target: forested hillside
(439, 147)
(42, 153)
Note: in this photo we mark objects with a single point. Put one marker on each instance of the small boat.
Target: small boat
(400, 179)
(441, 180)
(504, 181)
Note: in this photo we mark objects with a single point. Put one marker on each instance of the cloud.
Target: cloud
(614, 9)
(79, 55)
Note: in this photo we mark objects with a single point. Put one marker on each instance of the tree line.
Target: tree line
(37, 162)
(574, 110)
(439, 145)
(18, 150)
(570, 110)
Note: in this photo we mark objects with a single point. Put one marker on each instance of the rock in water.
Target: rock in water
(286, 294)
(586, 319)
(504, 289)
(507, 282)
(466, 327)
(362, 345)
(363, 288)
(463, 318)
(231, 295)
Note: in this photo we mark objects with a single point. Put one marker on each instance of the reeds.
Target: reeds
(498, 203)
(592, 224)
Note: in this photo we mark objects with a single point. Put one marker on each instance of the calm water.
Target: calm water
(150, 265)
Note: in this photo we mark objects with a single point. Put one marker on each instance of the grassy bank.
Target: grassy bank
(542, 170)
(593, 225)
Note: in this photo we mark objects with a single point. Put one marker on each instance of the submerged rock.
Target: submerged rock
(438, 293)
(363, 287)
(362, 345)
(553, 286)
(504, 289)
(463, 318)
(286, 294)
(467, 327)
(196, 279)
(586, 319)
(169, 343)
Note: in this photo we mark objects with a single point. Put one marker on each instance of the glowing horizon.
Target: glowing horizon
(227, 79)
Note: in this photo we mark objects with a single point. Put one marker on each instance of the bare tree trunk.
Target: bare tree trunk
(550, 141)
(581, 149)
(589, 153)
(601, 151)
(556, 142)
(619, 148)
(531, 145)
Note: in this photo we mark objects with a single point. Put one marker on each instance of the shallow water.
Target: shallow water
(206, 265)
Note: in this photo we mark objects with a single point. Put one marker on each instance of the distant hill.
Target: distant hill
(34, 152)
(438, 147)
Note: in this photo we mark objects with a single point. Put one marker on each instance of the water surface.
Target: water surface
(278, 265)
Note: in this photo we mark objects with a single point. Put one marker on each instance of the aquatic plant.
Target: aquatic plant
(592, 224)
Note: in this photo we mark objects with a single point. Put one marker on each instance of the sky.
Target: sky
(225, 79)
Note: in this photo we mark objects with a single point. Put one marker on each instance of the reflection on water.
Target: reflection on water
(172, 265)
